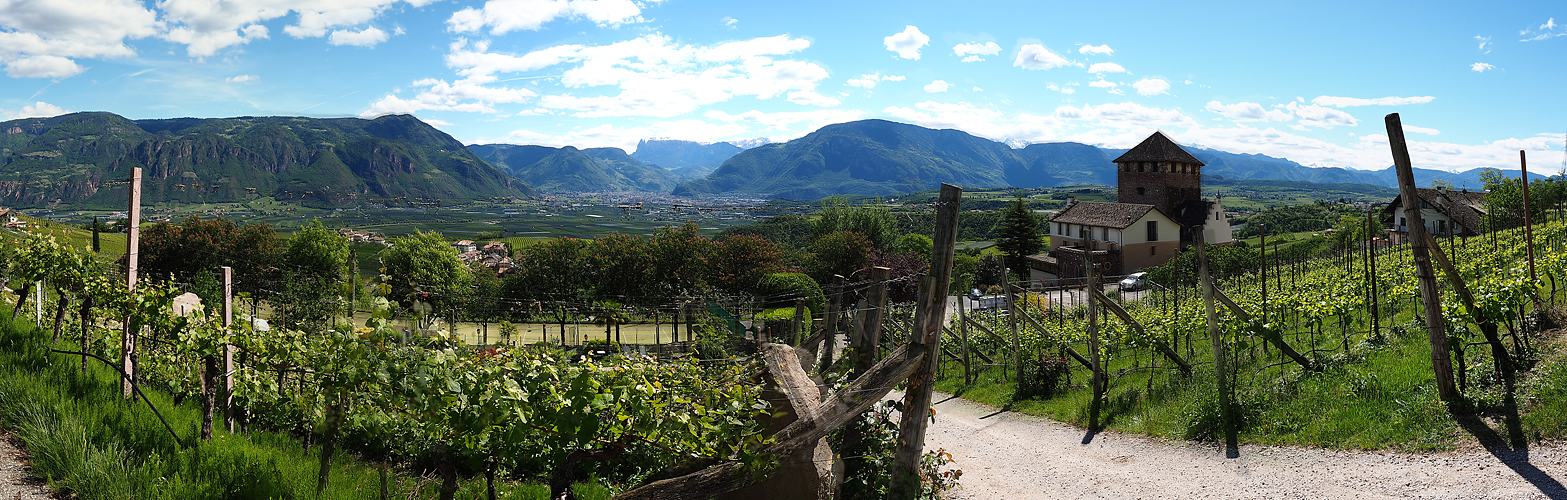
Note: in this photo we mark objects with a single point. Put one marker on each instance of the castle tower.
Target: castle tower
(1158, 172)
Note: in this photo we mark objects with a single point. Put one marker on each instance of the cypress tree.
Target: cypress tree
(1018, 236)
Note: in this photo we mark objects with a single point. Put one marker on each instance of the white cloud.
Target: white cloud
(1481, 67)
(1312, 115)
(1096, 49)
(39, 109)
(436, 123)
(1035, 56)
(1547, 30)
(1125, 116)
(1344, 102)
(785, 121)
(464, 95)
(937, 86)
(977, 89)
(730, 22)
(1422, 130)
(1106, 67)
(208, 26)
(368, 37)
(1485, 44)
(811, 98)
(870, 81)
(983, 122)
(646, 76)
(504, 16)
(1151, 86)
(42, 39)
(42, 67)
(974, 50)
(1068, 91)
(1248, 112)
(607, 135)
(907, 43)
(243, 79)
(1103, 84)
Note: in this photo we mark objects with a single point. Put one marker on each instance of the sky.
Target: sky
(1474, 82)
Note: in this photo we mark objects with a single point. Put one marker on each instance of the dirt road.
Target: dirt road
(1014, 456)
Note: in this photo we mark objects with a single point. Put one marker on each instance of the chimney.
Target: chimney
(1071, 200)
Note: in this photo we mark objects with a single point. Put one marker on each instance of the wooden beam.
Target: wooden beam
(1430, 296)
(841, 407)
(1159, 345)
(930, 315)
(132, 251)
(1215, 337)
(1504, 361)
(1279, 343)
(1069, 351)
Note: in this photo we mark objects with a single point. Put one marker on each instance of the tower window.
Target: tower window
(1139, 191)
(1139, 167)
(1153, 230)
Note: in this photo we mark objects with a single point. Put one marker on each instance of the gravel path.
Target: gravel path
(16, 478)
(1006, 455)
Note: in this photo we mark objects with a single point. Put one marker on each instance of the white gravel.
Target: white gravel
(1006, 455)
(16, 478)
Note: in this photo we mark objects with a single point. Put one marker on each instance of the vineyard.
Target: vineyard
(118, 392)
(1330, 351)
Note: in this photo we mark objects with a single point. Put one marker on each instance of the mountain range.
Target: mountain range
(343, 161)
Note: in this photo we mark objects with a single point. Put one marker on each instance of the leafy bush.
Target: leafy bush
(780, 290)
(1046, 376)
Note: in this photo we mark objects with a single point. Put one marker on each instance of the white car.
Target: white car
(1134, 282)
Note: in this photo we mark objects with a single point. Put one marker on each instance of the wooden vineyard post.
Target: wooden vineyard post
(830, 326)
(968, 366)
(1430, 297)
(228, 347)
(128, 336)
(929, 316)
(1528, 225)
(870, 324)
(799, 323)
(1220, 367)
(1017, 343)
(1097, 378)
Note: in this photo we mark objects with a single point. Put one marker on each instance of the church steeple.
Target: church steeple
(1158, 172)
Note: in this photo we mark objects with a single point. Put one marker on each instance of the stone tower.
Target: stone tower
(1158, 172)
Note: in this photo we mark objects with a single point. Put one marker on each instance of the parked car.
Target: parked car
(1134, 282)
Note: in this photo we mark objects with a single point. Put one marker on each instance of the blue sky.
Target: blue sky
(1474, 82)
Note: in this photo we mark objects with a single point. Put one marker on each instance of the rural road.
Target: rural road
(1006, 455)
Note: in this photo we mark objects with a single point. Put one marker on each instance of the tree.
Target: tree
(840, 252)
(422, 267)
(680, 260)
(314, 263)
(872, 222)
(739, 262)
(622, 266)
(1018, 237)
(203, 245)
(913, 243)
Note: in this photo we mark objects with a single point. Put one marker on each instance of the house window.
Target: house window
(1153, 230)
(1402, 222)
(1441, 227)
(1153, 249)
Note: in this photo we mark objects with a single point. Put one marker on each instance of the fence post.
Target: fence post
(930, 314)
(1430, 297)
(834, 309)
(799, 323)
(1220, 366)
(1097, 380)
(968, 367)
(132, 249)
(228, 347)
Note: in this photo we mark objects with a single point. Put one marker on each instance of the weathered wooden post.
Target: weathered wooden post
(799, 323)
(834, 309)
(128, 336)
(1215, 337)
(1017, 342)
(870, 329)
(1430, 297)
(228, 347)
(930, 315)
(1097, 380)
(1528, 224)
(968, 366)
